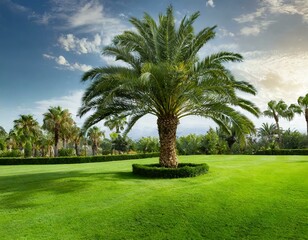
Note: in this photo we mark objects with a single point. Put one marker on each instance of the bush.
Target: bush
(13, 154)
(66, 152)
(75, 159)
(182, 171)
(283, 152)
(28, 150)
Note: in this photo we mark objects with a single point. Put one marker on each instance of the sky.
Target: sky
(46, 46)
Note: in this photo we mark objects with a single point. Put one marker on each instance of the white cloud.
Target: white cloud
(88, 17)
(64, 64)
(62, 61)
(275, 75)
(15, 6)
(250, 17)
(81, 46)
(210, 3)
(72, 102)
(209, 49)
(267, 11)
(255, 29)
(222, 32)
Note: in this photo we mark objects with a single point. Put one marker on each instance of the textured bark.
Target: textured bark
(167, 137)
(56, 142)
(278, 128)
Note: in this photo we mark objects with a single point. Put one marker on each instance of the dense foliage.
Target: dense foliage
(69, 160)
(164, 76)
(183, 170)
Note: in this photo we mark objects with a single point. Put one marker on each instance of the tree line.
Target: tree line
(60, 131)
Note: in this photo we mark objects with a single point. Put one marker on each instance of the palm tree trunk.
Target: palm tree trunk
(77, 149)
(306, 116)
(167, 127)
(56, 143)
(278, 130)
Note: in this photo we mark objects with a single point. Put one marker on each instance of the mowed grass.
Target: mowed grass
(242, 197)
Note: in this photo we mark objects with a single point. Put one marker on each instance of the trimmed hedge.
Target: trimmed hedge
(183, 170)
(283, 152)
(75, 159)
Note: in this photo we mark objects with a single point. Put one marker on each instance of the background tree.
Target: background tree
(3, 137)
(268, 132)
(281, 109)
(95, 135)
(165, 77)
(66, 128)
(303, 103)
(147, 145)
(294, 140)
(116, 122)
(14, 140)
(28, 130)
(76, 136)
(53, 120)
(190, 144)
(210, 142)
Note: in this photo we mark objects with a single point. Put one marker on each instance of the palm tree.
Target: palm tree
(116, 122)
(76, 136)
(268, 132)
(95, 134)
(280, 109)
(303, 103)
(2, 132)
(28, 129)
(54, 120)
(27, 126)
(236, 132)
(164, 77)
(14, 140)
(66, 126)
(3, 137)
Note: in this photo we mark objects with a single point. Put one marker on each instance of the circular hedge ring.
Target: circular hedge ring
(183, 170)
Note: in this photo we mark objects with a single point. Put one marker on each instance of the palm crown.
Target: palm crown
(163, 76)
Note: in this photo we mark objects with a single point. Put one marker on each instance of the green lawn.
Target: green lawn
(242, 197)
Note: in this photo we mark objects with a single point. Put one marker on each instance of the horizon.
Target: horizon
(47, 47)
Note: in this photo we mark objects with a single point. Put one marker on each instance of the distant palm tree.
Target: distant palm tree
(66, 126)
(76, 136)
(3, 133)
(54, 120)
(303, 103)
(3, 137)
(28, 129)
(27, 126)
(116, 122)
(164, 76)
(280, 109)
(268, 131)
(95, 135)
(14, 140)
(236, 132)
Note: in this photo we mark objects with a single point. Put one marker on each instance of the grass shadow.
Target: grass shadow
(298, 161)
(18, 191)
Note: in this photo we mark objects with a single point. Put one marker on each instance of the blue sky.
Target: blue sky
(45, 46)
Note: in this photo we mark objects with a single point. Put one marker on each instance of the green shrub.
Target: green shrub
(283, 152)
(66, 152)
(13, 153)
(28, 150)
(75, 159)
(182, 171)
